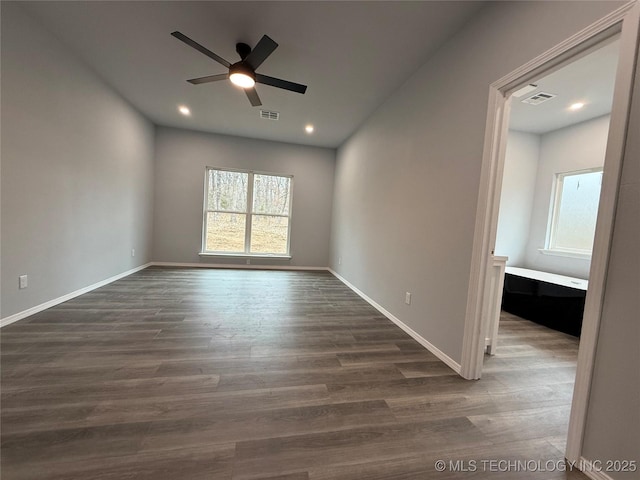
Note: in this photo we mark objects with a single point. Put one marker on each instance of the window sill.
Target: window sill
(561, 253)
(245, 255)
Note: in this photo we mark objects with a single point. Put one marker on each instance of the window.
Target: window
(574, 212)
(246, 213)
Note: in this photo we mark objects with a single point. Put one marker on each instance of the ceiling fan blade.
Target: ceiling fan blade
(279, 83)
(253, 97)
(262, 50)
(200, 48)
(208, 78)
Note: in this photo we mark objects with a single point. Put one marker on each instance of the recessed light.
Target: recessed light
(309, 129)
(184, 110)
(576, 106)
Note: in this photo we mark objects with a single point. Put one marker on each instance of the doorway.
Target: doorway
(552, 176)
(551, 182)
(623, 21)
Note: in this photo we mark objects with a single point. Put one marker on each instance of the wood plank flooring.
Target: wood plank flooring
(236, 374)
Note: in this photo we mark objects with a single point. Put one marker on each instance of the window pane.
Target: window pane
(269, 234)
(227, 191)
(225, 232)
(576, 222)
(271, 194)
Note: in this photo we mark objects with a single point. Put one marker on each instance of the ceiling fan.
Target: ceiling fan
(243, 73)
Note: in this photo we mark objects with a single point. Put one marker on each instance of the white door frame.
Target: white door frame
(625, 20)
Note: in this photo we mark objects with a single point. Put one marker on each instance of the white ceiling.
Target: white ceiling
(589, 80)
(352, 56)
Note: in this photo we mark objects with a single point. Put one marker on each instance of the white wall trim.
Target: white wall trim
(450, 362)
(615, 153)
(564, 253)
(565, 52)
(626, 20)
(245, 255)
(236, 266)
(486, 226)
(64, 298)
(589, 469)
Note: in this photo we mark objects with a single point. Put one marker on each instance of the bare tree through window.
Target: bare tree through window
(247, 212)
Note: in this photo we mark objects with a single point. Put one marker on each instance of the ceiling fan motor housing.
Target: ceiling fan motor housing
(243, 50)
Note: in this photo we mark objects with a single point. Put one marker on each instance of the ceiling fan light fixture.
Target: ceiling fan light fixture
(242, 80)
(242, 76)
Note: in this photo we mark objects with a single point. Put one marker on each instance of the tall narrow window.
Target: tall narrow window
(575, 210)
(247, 213)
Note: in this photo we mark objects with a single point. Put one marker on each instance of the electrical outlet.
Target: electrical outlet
(248, 261)
(23, 281)
(407, 298)
(133, 252)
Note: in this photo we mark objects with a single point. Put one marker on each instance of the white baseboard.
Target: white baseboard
(589, 469)
(235, 266)
(56, 301)
(450, 362)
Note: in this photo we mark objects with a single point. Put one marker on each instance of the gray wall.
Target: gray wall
(577, 147)
(516, 197)
(76, 171)
(407, 181)
(613, 421)
(181, 158)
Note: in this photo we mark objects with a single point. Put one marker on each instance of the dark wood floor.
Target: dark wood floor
(234, 374)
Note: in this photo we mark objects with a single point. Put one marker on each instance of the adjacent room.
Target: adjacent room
(550, 192)
(237, 240)
(556, 148)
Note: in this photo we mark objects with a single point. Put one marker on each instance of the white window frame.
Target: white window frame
(556, 200)
(249, 214)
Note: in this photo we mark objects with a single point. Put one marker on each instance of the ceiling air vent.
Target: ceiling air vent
(539, 98)
(267, 115)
